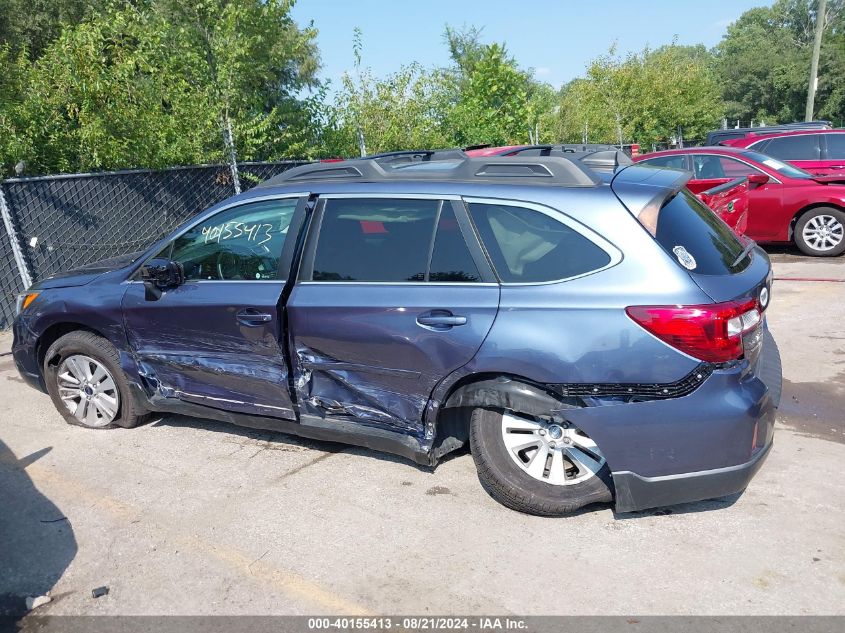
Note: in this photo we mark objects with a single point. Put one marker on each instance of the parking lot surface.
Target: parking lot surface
(186, 516)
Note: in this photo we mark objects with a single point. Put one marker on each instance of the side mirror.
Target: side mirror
(160, 274)
(758, 179)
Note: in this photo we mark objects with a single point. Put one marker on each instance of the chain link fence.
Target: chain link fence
(62, 222)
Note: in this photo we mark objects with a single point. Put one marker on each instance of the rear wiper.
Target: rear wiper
(745, 251)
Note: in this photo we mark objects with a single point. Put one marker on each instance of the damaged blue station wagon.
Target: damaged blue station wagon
(591, 329)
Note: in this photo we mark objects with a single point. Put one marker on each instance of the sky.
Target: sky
(555, 38)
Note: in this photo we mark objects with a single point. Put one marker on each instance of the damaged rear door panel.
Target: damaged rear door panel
(393, 295)
(216, 340)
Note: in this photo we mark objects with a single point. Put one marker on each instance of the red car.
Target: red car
(816, 151)
(730, 202)
(785, 203)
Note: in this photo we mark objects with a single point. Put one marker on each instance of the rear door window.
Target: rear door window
(799, 147)
(391, 240)
(451, 259)
(528, 246)
(375, 239)
(697, 239)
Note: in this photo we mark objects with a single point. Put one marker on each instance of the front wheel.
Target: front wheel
(537, 466)
(821, 232)
(87, 385)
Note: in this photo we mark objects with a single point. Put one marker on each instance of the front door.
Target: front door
(394, 295)
(215, 340)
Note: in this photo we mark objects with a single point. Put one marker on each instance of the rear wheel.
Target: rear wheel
(87, 385)
(537, 466)
(821, 232)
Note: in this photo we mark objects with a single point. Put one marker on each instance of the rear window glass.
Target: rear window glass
(527, 246)
(697, 239)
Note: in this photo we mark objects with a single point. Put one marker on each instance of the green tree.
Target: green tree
(251, 60)
(15, 70)
(645, 97)
(160, 82)
(404, 110)
(763, 62)
(34, 24)
(493, 99)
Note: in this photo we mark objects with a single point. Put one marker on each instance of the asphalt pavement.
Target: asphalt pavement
(185, 516)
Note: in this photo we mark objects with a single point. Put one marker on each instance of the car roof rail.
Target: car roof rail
(595, 157)
(415, 155)
(570, 169)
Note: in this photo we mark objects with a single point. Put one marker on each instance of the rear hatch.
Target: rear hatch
(732, 270)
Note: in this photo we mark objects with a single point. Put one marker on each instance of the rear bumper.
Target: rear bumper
(704, 445)
(637, 493)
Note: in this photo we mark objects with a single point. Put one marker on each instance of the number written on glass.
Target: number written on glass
(259, 233)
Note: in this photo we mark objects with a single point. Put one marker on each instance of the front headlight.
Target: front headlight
(23, 301)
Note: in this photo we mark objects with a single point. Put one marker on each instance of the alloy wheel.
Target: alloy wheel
(823, 232)
(556, 453)
(88, 390)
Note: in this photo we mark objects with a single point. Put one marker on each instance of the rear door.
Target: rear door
(394, 295)
(216, 340)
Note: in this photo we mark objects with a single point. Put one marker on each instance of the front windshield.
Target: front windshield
(790, 171)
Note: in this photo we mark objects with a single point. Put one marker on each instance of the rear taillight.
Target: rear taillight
(711, 332)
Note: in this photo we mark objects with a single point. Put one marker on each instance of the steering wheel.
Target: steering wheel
(228, 265)
(231, 265)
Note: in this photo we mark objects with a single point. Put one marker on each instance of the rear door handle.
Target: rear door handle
(440, 320)
(252, 317)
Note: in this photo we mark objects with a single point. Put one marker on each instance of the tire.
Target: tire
(66, 358)
(512, 486)
(821, 232)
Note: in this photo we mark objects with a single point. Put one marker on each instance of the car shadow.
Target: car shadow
(277, 440)
(37, 542)
(694, 507)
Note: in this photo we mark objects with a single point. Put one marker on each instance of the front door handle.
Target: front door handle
(440, 320)
(252, 317)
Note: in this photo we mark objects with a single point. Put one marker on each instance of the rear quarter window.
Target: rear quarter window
(697, 239)
(799, 147)
(528, 246)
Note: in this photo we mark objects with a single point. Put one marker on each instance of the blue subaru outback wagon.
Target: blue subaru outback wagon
(591, 329)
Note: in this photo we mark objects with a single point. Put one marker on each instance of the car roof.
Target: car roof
(756, 138)
(559, 168)
(704, 149)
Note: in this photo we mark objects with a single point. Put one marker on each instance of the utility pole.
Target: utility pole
(814, 64)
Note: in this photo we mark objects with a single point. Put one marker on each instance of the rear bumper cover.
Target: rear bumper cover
(705, 445)
(634, 492)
